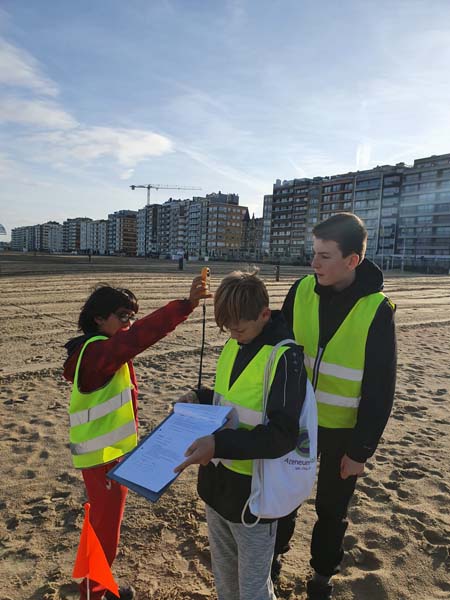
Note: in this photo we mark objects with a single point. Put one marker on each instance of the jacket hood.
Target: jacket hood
(369, 277)
(73, 348)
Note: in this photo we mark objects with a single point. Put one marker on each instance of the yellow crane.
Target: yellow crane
(159, 186)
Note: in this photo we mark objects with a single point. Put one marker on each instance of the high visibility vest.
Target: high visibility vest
(102, 423)
(335, 371)
(246, 393)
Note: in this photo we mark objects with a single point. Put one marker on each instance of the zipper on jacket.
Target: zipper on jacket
(320, 352)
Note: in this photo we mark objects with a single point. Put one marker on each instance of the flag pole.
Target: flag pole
(202, 349)
(205, 274)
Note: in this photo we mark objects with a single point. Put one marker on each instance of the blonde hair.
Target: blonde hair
(240, 295)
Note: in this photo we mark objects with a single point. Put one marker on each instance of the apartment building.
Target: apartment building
(406, 210)
(292, 207)
(47, 237)
(122, 232)
(252, 237)
(225, 229)
(423, 220)
(22, 239)
(204, 226)
(71, 233)
(267, 225)
(197, 227)
(220, 198)
(147, 230)
(94, 237)
(50, 237)
(171, 227)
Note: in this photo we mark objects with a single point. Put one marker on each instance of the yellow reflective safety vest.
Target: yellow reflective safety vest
(102, 423)
(246, 393)
(335, 371)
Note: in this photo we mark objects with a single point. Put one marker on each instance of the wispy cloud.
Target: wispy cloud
(54, 135)
(42, 114)
(126, 146)
(227, 171)
(19, 69)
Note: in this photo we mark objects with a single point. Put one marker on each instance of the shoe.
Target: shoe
(318, 591)
(125, 593)
(275, 569)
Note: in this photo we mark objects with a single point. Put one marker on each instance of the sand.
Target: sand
(398, 539)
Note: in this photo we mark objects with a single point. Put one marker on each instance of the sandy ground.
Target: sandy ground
(398, 539)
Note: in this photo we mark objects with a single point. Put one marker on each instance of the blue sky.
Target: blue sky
(218, 94)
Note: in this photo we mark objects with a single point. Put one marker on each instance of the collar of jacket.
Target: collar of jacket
(75, 343)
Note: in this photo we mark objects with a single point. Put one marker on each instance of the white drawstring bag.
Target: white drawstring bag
(280, 485)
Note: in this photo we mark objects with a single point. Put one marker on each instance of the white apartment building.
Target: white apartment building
(93, 237)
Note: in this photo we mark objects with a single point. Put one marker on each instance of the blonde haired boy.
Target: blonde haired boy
(241, 557)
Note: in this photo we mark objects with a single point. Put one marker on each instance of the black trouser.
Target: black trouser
(332, 500)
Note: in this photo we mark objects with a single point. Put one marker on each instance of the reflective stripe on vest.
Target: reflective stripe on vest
(102, 422)
(335, 371)
(246, 393)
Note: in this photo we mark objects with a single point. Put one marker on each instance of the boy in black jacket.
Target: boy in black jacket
(346, 327)
(241, 556)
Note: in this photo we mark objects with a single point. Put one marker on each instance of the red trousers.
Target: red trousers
(107, 499)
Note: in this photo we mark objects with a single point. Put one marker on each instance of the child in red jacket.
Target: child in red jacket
(105, 389)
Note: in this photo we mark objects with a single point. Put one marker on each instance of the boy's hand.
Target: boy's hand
(199, 452)
(199, 290)
(350, 467)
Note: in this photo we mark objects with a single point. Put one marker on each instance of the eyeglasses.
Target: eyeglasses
(125, 317)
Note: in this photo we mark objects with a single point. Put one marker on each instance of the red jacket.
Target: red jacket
(101, 359)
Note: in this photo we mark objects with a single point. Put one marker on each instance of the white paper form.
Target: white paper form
(151, 465)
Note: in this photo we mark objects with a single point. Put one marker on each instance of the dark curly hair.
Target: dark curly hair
(104, 301)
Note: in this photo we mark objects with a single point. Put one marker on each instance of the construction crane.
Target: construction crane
(158, 186)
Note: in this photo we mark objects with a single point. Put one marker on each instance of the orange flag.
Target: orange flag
(91, 560)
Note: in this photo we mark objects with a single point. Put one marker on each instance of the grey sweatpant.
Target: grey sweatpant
(241, 558)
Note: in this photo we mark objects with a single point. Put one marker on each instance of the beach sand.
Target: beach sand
(398, 540)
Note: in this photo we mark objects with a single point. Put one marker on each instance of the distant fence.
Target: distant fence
(437, 265)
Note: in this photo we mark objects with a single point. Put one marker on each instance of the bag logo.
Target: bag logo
(303, 444)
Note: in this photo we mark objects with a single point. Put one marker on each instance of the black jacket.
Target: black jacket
(224, 490)
(378, 384)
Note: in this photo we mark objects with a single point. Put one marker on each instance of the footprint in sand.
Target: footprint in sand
(350, 541)
(439, 398)
(403, 494)
(398, 416)
(371, 586)
(12, 523)
(444, 487)
(29, 474)
(26, 449)
(395, 542)
(365, 559)
(413, 474)
(391, 485)
(67, 478)
(411, 391)
(436, 538)
(381, 459)
(441, 392)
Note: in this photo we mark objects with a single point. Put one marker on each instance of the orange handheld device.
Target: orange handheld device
(206, 272)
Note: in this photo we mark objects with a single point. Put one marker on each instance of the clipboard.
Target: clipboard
(139, 489)
(136, 468)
